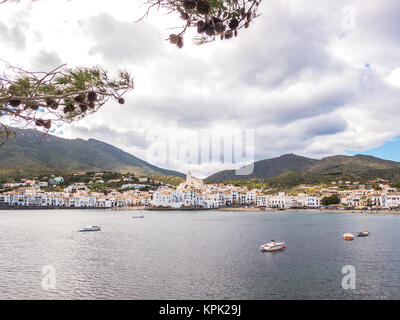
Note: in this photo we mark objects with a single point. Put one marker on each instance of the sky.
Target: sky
(311, 78)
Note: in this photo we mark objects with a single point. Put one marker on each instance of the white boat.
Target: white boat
(364, 233)
(348, 236)
(138, 216)
(273, 246)
(92, 228)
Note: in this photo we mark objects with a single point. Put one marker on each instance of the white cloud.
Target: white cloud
(394, 77)
(303, 77)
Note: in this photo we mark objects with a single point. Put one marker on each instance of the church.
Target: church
(191, 183)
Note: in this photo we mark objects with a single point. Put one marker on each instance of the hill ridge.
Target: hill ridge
(32, 149)
(303, 168)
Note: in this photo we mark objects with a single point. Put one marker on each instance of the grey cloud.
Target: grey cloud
(326, 125)
(381, 21)
(297, 136)
(46, 61)
(191, 112)
(129, 139)
(197, 110)
(283, 47)
(123, 42)
(281, 77)
(12, 35)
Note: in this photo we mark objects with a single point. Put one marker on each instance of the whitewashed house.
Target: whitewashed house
(262, 200)
(280, 201)
(162, 198)
(313, 202)
(392, 200)
(251, 196)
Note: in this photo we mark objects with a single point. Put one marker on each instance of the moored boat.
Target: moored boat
(348, 236)
(138, 216)
(363, 234)
(92, 228)
(273, 246)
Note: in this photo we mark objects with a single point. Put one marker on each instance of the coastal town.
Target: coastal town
(144, 192)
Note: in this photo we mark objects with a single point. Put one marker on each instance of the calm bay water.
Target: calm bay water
(197, 255)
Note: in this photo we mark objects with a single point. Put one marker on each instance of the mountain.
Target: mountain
(291, 168)
(33, 151)
(267, 168)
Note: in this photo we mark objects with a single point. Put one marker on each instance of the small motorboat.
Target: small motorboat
(138, 216)
(363, 234)
(348, 236)
(273, 246)
(92, 228)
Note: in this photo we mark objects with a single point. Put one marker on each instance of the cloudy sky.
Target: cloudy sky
(315, 78)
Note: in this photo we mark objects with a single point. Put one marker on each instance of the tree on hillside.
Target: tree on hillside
(333, 199)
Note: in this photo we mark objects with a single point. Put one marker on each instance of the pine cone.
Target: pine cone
(47, 124)
(14, 103)
(189, 4)
(69, 108)
(201, 26)
(228, 35)
(180, 43)
(200, 23)
(173, 38)
(79, 98)
(233, 24)
(203, 7)
(220, 27)
(216, 20)
(210, 30)
(83, 107)
(92, 96)
(184, 15)
(39, 122)
(52, 103)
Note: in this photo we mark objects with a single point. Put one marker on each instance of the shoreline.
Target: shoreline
(66, 208)
(384, 211)
(47, 208)
(232, 209)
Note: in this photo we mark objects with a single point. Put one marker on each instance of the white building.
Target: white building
(191, 182)
(276, 201)
(162, 198)
(56, 180)
(312, 202)
(392, 200)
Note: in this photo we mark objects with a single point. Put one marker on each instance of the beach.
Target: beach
(256, 209)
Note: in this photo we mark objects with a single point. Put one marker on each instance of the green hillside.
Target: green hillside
(31, 151)
(268, 168)
(292, 169)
